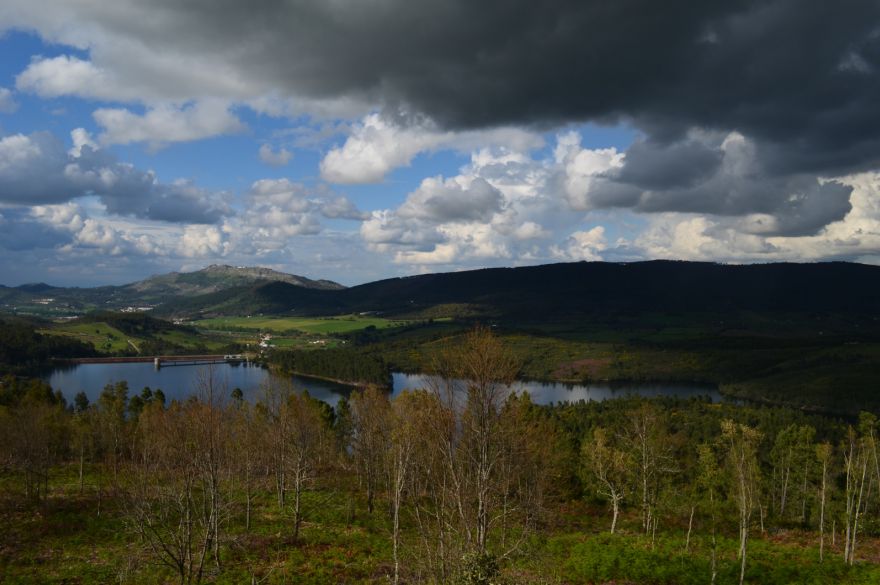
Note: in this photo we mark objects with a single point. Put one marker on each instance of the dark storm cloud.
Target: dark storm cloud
(665, 166)
(800, 205)
(799, 76)
(710, 173)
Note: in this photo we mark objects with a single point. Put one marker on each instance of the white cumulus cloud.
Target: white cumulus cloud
(379, 144)
(167, 123)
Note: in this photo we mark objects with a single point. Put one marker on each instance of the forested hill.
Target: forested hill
(558, 290)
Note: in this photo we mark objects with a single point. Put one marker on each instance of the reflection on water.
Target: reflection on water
(178, 382)
(550, 392)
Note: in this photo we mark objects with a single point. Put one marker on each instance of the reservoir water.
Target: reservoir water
(178, 382)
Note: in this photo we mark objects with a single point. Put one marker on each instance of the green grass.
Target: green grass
(110, 340)
(601, 558)
(82, 538)
(193, 341)
(315, 325)
(73, 538)
(101, 336)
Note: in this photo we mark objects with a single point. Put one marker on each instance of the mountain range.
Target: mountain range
(557, 290)
(550, 291)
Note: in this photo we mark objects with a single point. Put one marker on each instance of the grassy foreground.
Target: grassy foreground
(82, 538)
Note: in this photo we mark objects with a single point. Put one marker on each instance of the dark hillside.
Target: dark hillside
(563, 290)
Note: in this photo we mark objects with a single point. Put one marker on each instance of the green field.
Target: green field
(314, 325)
(108, 339)
(101, 336)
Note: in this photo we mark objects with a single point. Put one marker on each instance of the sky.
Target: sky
(360, 140)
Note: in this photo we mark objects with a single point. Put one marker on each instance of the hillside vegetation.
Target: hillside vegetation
(460, 483)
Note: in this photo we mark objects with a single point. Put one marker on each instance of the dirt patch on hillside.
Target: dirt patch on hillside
(587, 368)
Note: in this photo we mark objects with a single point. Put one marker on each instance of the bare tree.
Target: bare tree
(176, 496)
(466, 481)
(741, 445)
(480, 371)
(709, 485)
(856, 459)
(404, 437)
(609, 465)
(823, 456)
(370, 417)
(308, 443)
(247, 453)
(165, 502)
(651, 453)
(272, 415)
(430, 484)
(210, 428)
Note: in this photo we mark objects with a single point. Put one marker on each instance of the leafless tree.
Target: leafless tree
(272, 415)
(247, 452)
(823, 456)
(651, 455)
(740, 443)
(708, 486)
(476, 377)
(609, 465)
(856, 459)
(404, 437)
(308, 444)
(165, 502)
(371, 425)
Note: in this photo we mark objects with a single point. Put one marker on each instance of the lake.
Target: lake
(178, 382)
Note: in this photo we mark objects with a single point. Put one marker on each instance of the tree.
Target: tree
(651, 454)
(708, 485)
(404, 437)
(856, 456)
(464, 467)
(741, 445)
(34, 435)
(370, 424)
(111, 422)
(792, 455)
(246, 450)
(480, 370)
(823, 456)
(210, 426)
(308, 442)
(430, 483)
(166, 503)
(271, 414)
(608, 464)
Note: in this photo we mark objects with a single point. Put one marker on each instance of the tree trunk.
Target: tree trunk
(615, 505)
(822, 513)
(297, 503)
(714, 562)
(743, 539)
(687, 542)
(81, 465)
